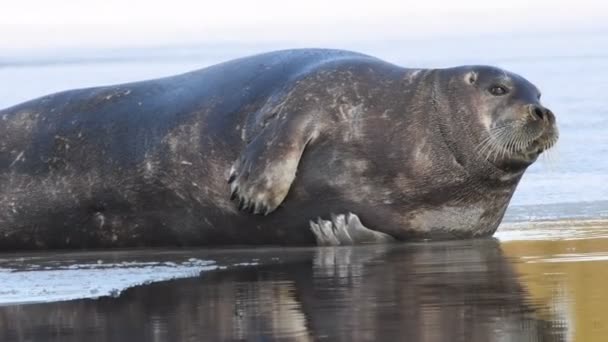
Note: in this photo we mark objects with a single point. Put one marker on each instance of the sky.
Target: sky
(32, 24)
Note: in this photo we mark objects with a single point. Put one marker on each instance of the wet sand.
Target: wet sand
(544, 282)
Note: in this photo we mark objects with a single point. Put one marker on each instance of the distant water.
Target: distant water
(570, 69)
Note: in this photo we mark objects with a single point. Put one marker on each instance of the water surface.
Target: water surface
(506, 289)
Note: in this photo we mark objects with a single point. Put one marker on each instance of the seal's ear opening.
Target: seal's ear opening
(471, 77)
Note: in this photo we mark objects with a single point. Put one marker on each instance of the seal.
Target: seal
(290, 147)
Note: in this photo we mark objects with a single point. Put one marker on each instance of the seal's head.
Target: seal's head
(510, 127)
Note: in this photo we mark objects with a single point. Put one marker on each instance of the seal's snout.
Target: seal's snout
(543, 120)
(538, 112)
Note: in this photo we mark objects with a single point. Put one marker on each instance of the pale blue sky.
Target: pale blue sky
(118, 23)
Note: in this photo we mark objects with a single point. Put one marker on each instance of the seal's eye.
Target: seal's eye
(498, 90)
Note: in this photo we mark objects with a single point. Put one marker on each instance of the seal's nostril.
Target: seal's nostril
(539, 113)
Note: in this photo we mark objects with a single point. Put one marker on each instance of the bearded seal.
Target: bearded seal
(290, 147)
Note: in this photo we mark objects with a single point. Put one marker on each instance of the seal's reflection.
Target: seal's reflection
(449, 291)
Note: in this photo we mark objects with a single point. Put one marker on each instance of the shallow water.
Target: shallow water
(521, 286)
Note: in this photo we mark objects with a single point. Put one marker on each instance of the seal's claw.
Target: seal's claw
(257, 208)
(266, 168)
(234, 193)
(345, 229)
(261, 186)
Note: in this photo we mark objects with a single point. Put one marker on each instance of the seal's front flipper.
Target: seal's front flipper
(345, 230)
(260, 179)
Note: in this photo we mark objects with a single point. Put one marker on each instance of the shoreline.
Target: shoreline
(551, 230)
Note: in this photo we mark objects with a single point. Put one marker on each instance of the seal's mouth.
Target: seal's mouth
(543, 143)
(539, 145)
(518, 140)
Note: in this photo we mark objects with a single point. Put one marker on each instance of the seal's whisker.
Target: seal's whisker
(498, 144)
(550, 155)
(501, 140)
(519, 143)
(509, 140)
(489, 148)
(498, 149)
(484, 146)
(506, 140)
(512, 145)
